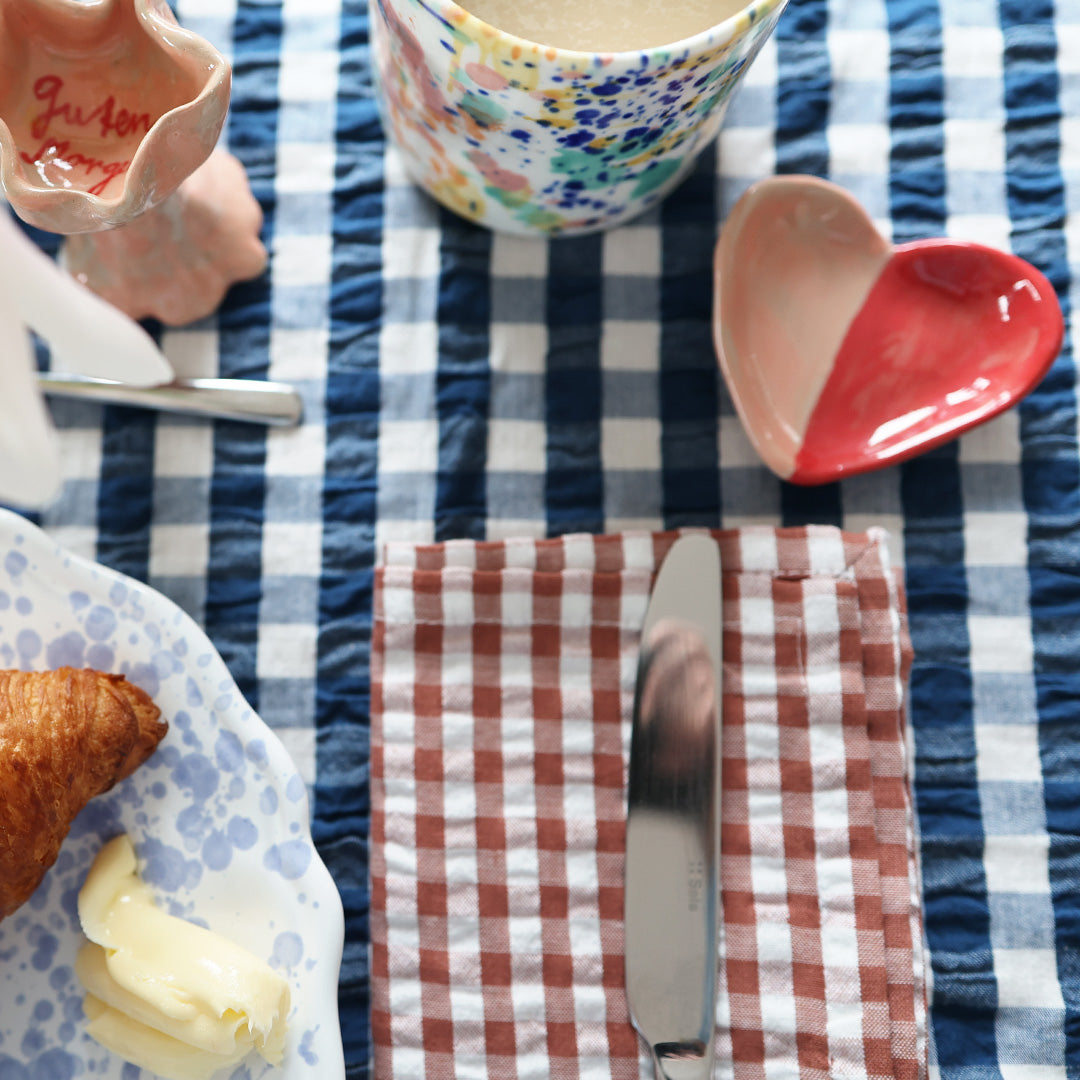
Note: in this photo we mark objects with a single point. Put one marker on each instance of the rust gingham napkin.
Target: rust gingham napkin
(502, 686)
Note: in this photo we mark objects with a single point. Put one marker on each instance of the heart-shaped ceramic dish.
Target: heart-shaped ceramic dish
(844, 353)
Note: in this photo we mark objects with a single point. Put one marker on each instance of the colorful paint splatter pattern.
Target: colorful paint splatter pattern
(525, 138)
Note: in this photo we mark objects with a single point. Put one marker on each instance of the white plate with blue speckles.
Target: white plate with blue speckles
(219, 816)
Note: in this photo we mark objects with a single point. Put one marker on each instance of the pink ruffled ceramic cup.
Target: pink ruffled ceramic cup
(104, 109)
(107, 109)
(532, 139)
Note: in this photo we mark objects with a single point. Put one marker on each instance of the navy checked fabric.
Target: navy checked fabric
(463, 384)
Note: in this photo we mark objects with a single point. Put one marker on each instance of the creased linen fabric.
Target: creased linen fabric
(458, 383)
(502, 690)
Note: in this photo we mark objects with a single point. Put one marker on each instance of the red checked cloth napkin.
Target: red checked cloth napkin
(502, 687)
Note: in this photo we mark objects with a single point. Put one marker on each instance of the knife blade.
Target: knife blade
(673, 815)
(251, 400)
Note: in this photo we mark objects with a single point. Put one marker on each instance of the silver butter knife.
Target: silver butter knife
(673, 815)
(273, 403)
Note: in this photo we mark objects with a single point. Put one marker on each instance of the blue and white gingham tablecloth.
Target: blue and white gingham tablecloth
(463, 384)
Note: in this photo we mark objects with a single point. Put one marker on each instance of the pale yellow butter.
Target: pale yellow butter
(167, 995)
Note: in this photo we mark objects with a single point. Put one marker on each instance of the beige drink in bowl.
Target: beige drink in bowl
(558, 116)
(605, 26)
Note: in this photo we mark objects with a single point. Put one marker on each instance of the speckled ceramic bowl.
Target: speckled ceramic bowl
(525, 138)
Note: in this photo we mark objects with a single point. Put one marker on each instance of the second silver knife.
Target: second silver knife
(673, 815)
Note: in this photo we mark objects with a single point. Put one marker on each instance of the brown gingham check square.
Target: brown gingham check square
(502, 687)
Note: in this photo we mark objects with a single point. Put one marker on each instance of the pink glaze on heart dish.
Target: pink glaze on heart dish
(843, 353)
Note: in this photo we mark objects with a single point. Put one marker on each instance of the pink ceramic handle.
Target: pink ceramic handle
(84, 333)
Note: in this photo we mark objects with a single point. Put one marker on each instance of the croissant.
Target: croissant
(65, 736)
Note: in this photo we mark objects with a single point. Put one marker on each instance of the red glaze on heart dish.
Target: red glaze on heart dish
(843, 353)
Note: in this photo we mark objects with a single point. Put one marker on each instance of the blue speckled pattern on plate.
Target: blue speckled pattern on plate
(219, 816)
